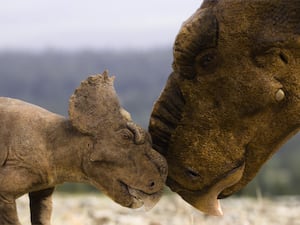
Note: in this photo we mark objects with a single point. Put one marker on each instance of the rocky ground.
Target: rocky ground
(95, 209)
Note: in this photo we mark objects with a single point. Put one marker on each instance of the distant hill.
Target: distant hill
(50, 77)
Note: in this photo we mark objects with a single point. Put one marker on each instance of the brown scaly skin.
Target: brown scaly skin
(98, 144)
(233, 98)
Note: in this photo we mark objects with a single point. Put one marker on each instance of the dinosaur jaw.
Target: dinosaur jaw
(208, 201)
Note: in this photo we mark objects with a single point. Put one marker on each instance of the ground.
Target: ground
(93, 209)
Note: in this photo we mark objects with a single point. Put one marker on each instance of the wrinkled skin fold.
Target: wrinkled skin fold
(233, 98)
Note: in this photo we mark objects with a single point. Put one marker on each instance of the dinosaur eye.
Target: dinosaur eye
(206, 61)
(126, 134)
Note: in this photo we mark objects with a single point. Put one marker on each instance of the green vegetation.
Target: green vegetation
(49, 78)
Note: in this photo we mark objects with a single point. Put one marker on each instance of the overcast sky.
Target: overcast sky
(76, 24)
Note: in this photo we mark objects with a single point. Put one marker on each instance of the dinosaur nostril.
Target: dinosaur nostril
(152, 184)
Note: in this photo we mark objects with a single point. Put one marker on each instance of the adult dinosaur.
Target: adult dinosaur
(232, 99)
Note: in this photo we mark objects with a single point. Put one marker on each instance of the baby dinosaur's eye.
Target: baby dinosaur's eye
(126, 134)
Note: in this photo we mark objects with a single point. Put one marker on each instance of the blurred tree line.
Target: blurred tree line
(48, 78)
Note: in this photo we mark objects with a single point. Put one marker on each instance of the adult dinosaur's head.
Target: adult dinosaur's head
(233, 98)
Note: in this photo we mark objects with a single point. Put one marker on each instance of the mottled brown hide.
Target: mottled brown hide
(233, 98)
(98, 144)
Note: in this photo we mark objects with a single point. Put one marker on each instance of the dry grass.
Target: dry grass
(171, 210)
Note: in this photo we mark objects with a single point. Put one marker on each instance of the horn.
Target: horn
(139, 133)
(125, 114)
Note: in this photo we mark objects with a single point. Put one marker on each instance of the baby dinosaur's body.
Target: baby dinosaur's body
(40, 149)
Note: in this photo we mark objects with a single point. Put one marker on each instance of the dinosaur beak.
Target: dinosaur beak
(208, 202)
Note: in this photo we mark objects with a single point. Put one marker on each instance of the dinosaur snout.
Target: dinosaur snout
(160, 164)
(152, 182)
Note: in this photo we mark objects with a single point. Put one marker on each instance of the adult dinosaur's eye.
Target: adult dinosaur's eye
(206, 61)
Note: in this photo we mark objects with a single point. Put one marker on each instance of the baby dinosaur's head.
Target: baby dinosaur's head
(121, 163)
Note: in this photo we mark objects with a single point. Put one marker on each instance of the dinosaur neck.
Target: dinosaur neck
(68, 148)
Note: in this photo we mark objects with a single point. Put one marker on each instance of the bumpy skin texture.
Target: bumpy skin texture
(98, 144)
(234, 95)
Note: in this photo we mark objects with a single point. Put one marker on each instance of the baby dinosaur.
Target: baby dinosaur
(98, 144)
